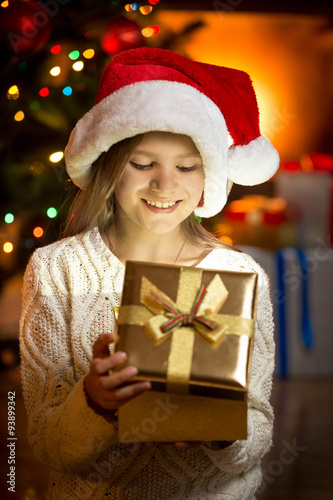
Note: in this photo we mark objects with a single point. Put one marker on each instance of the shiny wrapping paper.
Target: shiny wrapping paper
(199, 376)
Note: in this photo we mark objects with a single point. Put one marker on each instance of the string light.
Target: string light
(146, 9)
(78, 66)
(131, 6)
(153, 2)
(8, 247)
(44, 92)
(55, 71)
(150, 31)
(75, 54)
(38, 232)
(52, 212)
(67, 90)
(89, 53)
(9, 218)
(55, 157)
(56, 49)
(13, 92)
(19, 116)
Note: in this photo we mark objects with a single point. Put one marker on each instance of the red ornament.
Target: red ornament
(26, 25)
(120, 35)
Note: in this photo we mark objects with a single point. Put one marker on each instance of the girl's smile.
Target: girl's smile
(160, 206)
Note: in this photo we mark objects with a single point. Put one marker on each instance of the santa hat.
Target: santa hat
(146, 89)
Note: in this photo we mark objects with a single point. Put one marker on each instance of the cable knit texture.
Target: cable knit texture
(70, 290)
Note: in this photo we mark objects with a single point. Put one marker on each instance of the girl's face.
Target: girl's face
(161, 184)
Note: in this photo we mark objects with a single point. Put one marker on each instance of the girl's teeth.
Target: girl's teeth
(161, 204)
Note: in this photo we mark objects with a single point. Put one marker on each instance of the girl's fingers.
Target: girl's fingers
(126, 393)
(100, 347)
(119, 378)
(121, 396)
(102, 366)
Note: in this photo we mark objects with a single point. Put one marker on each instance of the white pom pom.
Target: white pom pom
(253, 163)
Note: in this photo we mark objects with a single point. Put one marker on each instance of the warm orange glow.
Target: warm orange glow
(284, 56)
(38, 232)
(146, 9)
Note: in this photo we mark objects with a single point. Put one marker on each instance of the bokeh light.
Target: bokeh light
(9, 218)
(8, 247)
(38, 232)
(52, 212)
(57, 156)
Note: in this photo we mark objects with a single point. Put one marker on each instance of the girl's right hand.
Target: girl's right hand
(105, 390)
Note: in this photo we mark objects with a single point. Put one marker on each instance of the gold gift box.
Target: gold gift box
(190, 332)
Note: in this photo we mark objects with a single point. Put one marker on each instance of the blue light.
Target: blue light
(67, 90)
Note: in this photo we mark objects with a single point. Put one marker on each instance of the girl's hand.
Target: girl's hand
(106, 391)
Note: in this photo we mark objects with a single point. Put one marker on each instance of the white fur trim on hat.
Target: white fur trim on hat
(156, 105)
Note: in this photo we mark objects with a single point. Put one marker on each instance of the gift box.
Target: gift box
(301, 292)
(190, 332)
(309, 190)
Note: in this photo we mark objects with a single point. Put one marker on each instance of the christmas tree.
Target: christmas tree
(53, 52)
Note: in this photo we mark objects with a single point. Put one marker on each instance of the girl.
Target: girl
(150, 154)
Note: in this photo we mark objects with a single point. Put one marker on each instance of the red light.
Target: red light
(56, 49)
(155, 29)
(153, 2)
(38, 232)
(44, 92)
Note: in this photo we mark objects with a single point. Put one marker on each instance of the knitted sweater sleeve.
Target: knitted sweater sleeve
(243, 455)
(64, 432)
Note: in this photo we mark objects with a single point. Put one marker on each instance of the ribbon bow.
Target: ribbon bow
(182, 319)
(196, 307)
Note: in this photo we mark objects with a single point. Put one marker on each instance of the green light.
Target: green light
(34, 105)
(51, 212)
(9, 218)
(75, 54)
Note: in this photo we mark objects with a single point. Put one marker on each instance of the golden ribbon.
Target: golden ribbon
(153, 315)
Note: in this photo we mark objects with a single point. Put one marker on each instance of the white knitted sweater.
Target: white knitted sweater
(70, 290)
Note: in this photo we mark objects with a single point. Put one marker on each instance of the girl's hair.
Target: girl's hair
(95, 206)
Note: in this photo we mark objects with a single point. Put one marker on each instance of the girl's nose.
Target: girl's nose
(163, 179)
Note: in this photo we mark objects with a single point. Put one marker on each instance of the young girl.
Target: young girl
(150, 154)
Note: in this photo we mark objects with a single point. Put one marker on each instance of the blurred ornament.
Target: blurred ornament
(122, 34)
(26, 25)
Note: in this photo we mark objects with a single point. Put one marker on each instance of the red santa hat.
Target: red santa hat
(146, 89)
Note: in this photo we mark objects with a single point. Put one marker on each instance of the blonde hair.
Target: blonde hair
(95, 206)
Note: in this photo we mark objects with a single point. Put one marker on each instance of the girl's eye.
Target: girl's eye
(187, 169)
(140, 167)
